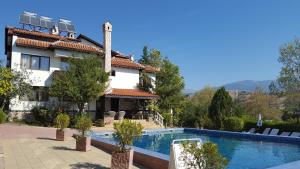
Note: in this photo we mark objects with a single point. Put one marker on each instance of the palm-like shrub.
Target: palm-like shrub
(62, 121)
(126, 131)
(83, 124)
(206, 156)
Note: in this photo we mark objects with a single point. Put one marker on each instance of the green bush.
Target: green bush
(83, 124)
(3, 116)
(233, 124)
(43, 116)
(99, 123)
(206, 156)
(62, 121)
(126, 131)
(281, 125)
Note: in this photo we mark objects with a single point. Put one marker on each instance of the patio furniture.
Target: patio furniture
(139, 115)
(109, 117)
(295, 134)
(266, 131)
(274, 132)
(285, 134)
(121, 115)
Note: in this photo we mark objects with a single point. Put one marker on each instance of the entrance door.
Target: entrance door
(115, 104)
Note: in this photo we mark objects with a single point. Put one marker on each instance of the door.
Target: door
(115, 104)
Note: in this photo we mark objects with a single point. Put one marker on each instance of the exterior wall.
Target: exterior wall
(153, 77)
(125, 78)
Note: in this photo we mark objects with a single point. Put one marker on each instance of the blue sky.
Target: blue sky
(213, 42)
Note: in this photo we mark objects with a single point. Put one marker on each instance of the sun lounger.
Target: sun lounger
(295, 134)
(266, 131)
(252, 130)
(274, 132)
(285, 134)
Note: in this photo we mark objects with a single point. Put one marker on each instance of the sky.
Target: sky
(213, 42)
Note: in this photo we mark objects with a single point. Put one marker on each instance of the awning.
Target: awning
(131, 93)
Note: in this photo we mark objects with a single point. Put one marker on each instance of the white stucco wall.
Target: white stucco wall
(125, 78)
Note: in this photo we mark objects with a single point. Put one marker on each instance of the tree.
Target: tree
(84, 81)
(196, 109)
(151, 57)
(220, 108)
(289, 76)
(169, 85)
(262, 103)
(12, 84)
(146, 83)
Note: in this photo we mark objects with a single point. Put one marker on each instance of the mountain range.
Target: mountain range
(244, 85)
(249, 85)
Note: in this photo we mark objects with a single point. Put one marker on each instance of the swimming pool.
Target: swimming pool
(242, 153)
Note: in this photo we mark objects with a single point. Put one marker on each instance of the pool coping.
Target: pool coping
(162, 159)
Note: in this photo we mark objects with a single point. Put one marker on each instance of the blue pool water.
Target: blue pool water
(241, 153)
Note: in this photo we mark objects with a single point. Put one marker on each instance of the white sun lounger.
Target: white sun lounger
(274, 132)
(252, 130)
(266, 131)
(177, 154)
(285, 134)
(295, 134)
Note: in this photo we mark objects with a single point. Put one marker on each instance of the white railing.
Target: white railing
(158, 119)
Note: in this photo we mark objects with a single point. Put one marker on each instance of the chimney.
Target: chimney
(107, 28)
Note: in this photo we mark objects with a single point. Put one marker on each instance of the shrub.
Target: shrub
(99, 123)
(62, 121)
(281, 125)
(83, 124)
(43, 116)
(233, 124)
(205, 156)
(3, 116)
(126, 131)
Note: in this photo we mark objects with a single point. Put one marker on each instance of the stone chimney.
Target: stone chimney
(107, 28)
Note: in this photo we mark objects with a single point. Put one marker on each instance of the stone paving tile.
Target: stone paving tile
(50, 154)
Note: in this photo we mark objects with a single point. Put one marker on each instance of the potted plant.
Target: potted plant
(83, 124)
(125, 132)
(62, 121)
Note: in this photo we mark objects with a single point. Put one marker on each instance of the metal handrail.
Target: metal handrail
(158, 119)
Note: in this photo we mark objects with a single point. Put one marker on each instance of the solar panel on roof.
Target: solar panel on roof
(46, 22)
(30, 19)
(66, 26)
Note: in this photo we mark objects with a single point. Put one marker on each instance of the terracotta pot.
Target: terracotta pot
(60, 135)
(83, 143)
(122, 160)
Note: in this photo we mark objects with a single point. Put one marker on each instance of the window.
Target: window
(37, 94)
(35, 62)
(64, 64)
(113, 73)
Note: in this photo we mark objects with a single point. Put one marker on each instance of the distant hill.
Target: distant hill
(248, 85)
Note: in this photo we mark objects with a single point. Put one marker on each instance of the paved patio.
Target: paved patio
(27, 147)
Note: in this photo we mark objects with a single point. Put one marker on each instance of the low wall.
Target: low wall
(140, 156)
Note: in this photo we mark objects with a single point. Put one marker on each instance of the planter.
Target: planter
(83, 143)
(122, 160)
(60, 135)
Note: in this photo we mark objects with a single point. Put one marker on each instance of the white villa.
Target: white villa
(42, 54)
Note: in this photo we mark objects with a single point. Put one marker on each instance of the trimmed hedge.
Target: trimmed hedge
(282, 126)
(233, 124)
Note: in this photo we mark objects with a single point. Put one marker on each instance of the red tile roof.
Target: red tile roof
(125, 63)
(131, 93)
(57, 45)
(150, 69)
